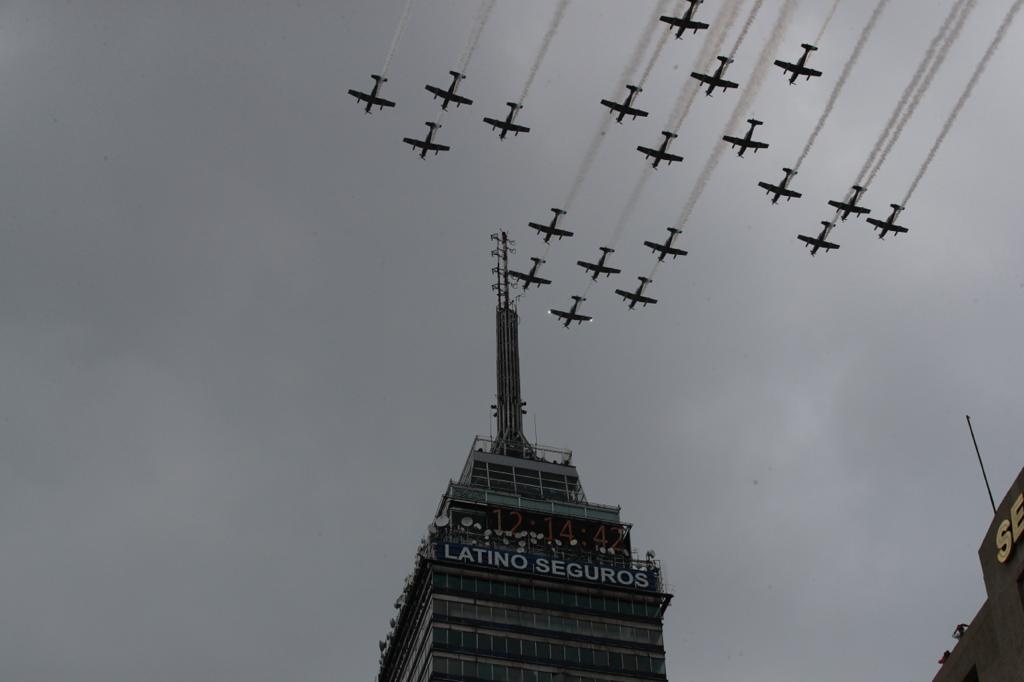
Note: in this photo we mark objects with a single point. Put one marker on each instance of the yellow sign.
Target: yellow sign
(1010, 530)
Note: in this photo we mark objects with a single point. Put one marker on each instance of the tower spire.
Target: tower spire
(509, 407)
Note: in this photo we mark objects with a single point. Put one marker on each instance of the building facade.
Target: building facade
(521, 578)
(991, 647)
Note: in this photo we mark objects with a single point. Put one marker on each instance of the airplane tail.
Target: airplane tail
(809, 47)
(378, 78)
(755, 122)
(896, 207)
(456, 74)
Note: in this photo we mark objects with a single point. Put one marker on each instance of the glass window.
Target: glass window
(440, 636)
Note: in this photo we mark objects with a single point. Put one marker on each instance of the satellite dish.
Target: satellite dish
(477, 526)
(466, 522)
(574, 542)
(441, 521)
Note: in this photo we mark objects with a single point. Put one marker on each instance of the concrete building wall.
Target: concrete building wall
(992, 648)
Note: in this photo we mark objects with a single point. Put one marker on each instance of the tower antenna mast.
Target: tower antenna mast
(509, 406)
(983, 474)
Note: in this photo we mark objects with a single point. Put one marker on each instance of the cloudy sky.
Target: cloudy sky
(246, 337)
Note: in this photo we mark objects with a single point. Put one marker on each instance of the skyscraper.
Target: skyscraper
(521, 578)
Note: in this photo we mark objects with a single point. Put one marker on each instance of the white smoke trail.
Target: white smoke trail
(746, 28)
(953, 115)
(726, 17)
(603, 127)
(641, 47)
(483, 14)
(627, 210)
(850, 63)
(828, 20)
(560, 10)
(908, 92)
(747, 98)
(924, 85)
(659, 46)
(406, 11)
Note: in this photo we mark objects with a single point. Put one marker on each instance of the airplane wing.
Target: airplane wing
(684, 24)
(620, 108)
(436, 91)
(738, 141)
(435, 147)
(883, 225)
(532, 279)
(547, 229)
(418, 144)
(658, 154)
(703, 78)
(661, 248)
(505, 125)
(758, 145)
(459, 99)
(570, 317)
(361, 96)
(817, 242)
(635, 297)
(786, 66)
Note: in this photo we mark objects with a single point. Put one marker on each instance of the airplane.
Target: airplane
(716, 80)
(550, 231)
(531, 276)
(848, 207)
(427, 144)
(449, 95)
(626, 108)
(819, 242)
(800, 68)
(599, 268)
(667, 249)
(572, 316)
(782, 189)
(661, 154)
(889, 224)
(747, 142)
(507, 125)
(637, 296)
(686, 22)
(373, 99)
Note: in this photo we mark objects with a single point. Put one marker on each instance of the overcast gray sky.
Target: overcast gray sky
(246, 336)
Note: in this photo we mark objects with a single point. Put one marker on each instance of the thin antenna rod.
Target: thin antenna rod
(983, 474)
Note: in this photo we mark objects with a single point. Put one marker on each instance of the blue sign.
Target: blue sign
(547, 566)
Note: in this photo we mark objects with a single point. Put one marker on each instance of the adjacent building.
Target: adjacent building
(521, 578)
(991, 647)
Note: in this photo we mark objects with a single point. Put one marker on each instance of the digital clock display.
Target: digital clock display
(585, 533)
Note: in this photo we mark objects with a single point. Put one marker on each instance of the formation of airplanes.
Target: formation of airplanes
(747, 142)
(619, 110)
(626, 108)
(686, 22)
(661, 153)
